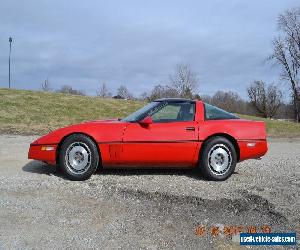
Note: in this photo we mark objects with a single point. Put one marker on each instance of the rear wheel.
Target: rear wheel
(78, 157)
(218, 159)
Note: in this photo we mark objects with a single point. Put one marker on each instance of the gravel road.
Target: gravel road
(150, 209)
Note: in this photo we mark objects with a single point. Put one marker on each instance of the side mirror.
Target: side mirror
(146, 121)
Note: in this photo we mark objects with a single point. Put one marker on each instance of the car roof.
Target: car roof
(175, 100)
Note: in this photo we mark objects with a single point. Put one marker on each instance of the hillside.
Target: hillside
(32, 112)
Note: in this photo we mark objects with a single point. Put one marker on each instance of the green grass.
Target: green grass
(277, 128)
(33, 112)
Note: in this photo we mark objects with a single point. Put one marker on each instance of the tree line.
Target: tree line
(265, 100)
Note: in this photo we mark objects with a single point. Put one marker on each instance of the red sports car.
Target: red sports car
(176, 133)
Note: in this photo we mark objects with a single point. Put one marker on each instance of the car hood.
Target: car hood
(99, 130)
(102, 121)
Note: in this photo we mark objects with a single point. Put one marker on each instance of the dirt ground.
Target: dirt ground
(144, 209)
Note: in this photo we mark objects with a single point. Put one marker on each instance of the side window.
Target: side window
(214, 113)
(175, 112)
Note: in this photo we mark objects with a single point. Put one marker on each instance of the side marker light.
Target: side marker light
(47, 148)
(251, 144)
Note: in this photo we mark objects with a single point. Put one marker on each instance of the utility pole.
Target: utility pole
(10, 41)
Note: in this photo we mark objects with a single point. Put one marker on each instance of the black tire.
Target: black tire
(78, 157)
(216, 152)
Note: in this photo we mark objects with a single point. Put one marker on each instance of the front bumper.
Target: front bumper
(45, 153)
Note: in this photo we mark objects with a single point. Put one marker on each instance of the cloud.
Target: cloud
(138, 43)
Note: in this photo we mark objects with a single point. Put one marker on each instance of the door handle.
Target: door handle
(190, 128)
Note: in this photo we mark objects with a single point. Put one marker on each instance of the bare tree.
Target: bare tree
(184, 81)
(157, 92)
(229, 101)
(160, 91)
(274, 99)
(67, 89)
(172, 92)
(144, 96)
(124, 92)
(286, 53)
(289, 24)
(46, 85)
(265, 99)
(103, 91)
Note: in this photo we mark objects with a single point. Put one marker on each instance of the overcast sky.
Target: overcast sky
(138, 43)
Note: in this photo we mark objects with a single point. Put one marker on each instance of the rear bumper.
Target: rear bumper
(252, 149)
(39, 152)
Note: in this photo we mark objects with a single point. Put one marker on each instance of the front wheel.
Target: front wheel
(218, 159)
(78, 157)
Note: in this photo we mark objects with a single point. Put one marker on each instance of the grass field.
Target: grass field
(32, 112)
(278, 128)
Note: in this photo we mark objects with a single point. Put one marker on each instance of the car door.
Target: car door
(172, 138)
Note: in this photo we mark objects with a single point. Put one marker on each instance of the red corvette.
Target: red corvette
(165, 133)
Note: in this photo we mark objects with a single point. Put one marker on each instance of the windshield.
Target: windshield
(141, 113)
